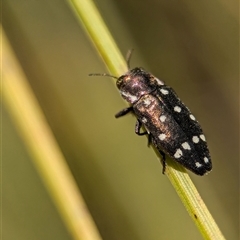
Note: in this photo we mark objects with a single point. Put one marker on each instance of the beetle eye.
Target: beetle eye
(119, 82)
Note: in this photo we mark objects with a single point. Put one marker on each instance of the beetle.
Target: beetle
(169, 124)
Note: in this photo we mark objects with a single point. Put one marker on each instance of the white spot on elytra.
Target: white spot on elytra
(206, 160)
(178, 153)
(177, 109)
(164, 91)
(198, 164)
(162, 136)
(186, 146)
(162, 118)
(159, 82)
(195, 139)
(147, 102)
(144, 120)
(202, 137)
(192, 117)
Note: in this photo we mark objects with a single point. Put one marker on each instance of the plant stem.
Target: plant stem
(95, 27)
(43, 148)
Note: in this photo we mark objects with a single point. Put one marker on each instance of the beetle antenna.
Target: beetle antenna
(128, 57)
(102, 74)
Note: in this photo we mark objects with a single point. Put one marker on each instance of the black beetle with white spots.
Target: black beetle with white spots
(170, 126)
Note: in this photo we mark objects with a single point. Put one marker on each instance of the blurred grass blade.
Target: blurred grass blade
(95, 27)
(43, 148)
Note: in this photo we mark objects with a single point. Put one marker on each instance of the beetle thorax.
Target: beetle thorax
(134, 84)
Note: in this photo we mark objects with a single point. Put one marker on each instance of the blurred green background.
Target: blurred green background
(192, 46)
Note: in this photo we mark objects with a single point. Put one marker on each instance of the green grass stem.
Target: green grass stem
(87, 13)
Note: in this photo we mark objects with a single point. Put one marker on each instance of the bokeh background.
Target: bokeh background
(192, 46)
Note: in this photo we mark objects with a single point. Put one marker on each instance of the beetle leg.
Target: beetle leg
(124, 112)
(149, 139)
(163, 161)
(137, 129)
